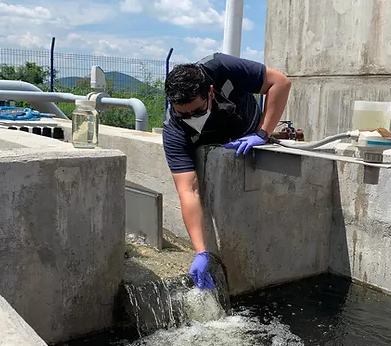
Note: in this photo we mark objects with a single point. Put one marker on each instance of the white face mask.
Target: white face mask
(198, 122)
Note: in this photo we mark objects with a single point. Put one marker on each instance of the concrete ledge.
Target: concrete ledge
(12, 139)
(62, 227)
(14, 330)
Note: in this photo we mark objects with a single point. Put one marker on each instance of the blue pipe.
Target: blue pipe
(167, 72)
(52, 65)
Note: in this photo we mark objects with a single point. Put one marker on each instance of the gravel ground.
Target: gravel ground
(143, 263)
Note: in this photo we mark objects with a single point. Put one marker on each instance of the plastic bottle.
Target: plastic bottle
(85, 124)
(369, 115)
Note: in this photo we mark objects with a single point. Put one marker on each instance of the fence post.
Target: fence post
(52, 65)
(167, 72)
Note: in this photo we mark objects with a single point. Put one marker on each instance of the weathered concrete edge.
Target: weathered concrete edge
(14, 329)
(33, 155)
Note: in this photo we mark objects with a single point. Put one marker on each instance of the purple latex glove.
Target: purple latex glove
(244, 144)
(199, 271)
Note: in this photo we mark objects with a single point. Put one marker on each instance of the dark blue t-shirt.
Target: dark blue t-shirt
(238, 79)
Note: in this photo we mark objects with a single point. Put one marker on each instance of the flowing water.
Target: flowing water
(324, 310)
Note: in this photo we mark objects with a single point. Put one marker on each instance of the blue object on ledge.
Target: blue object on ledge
(20, 113)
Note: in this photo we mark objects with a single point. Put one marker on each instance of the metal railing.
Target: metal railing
(70, 73)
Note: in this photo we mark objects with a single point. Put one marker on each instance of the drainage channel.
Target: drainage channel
(322, 310)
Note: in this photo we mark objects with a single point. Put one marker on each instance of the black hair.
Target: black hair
(185, 82)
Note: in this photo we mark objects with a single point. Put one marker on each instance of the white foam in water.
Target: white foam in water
(212, 326)
(202, 306)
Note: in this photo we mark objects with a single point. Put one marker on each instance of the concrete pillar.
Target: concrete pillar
(336, 52)
(62, 235)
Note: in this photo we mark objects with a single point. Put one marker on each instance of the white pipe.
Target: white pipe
(310, 153)
(30, 96)
(233, 27)
(14, 85)
(139, 110)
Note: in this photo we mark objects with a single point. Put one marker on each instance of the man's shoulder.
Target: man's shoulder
(216, 57)
(214, 61)
(172, 131)
(221, 65)
(227, 60)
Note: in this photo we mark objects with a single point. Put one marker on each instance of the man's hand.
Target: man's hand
(199, 271)
(245, 144)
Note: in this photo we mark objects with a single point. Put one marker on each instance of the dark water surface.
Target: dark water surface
(323, 310)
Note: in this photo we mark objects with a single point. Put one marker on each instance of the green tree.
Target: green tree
(29, 72)
(151, 93)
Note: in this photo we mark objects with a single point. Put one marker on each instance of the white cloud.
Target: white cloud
(247, 24)
(111, 45)
(253, 54)
(203, 46)
(185, 13)
(132, 6)
(34, 12)
(206, 46)
(26, 40)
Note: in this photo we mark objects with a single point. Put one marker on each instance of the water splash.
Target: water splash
(207, 324)
(173, 302)
(202, 306)
(227, 331)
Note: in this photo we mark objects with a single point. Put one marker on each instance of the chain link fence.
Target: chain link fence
(125, 78)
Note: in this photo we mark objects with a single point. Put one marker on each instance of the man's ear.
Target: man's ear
(211, 91)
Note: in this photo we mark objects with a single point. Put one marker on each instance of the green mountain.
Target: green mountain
(120, 81)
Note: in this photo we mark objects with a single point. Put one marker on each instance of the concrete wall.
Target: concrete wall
(14, 331)
(146, 166)
(62, 226)
(329, 48)
(276, 217)
(323, 106)
(361, 232)
(268, 218)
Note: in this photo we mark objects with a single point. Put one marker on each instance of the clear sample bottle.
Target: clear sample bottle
(85, 124)
(370, 115)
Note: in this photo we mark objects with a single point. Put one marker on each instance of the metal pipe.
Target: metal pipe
(335, 157)
(167, 72)
(139, 109)
(42, 97)
(233, 27)
(30, 96)
(52, 65)
(43, 107)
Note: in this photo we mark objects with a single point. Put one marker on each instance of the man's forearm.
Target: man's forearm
(275, 102)
(193, 218)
